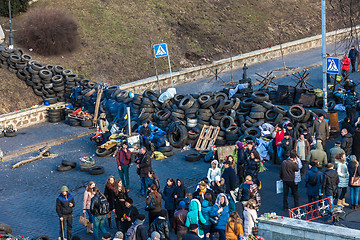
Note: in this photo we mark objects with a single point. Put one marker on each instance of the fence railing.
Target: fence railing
(311, 211)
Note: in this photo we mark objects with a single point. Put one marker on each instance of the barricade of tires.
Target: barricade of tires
(92, 169)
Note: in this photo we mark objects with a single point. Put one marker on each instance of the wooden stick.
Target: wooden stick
(41, 155)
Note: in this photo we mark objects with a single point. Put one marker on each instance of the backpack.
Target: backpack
(131, 232)
(104, 206)
(313, 181)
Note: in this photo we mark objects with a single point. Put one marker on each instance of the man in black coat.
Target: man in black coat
(145, 132)
(192, 234)
(353, 53)
(64, 208)
(229, 176)
(143, 161)
(287, 175)
(346, 141)
(160, 224)
(330, 182)
(141, 230)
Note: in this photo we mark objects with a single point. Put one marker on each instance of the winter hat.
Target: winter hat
(217, 178)
(163, 213)
(155, 235)
(182, 204)
(227, 162)
(129, 200)
(193, 226)
(215, 162)
(239, 144)
(293, 155)
(64, 189)
(119, 235)
(141, 217)
(202, 183)
(107, 236)
(338, 142)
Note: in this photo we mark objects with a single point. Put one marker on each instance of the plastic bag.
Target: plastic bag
(168, 94)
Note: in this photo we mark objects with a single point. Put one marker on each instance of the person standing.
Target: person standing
(155, 212)
(234, 227)
(195, 216)
(192, 234)
(229, 176)
(213, 171)
(119, 202)
(319, 154)
(161, 225)
(354, 171)
(279, 136)
(350, 101)
(286, 146)
(353, 54)
(206, 207)
(144, 167)
(287, 175)
(153, 179)
(252, 167)
(343, 174)
(180, 191)
(169, 198)
(299, 163)
(104, 127)
(109, 193)
(321, 129)
(250, 216)
(123, 160)
(88, 195)
(137, 230)
(179, 221)
(64, 208)
(335, 151)
(145, 132)
(220, 210)
(330, 183)
(345, 68)
(346, 141)
(302, 149)
(241, 158)
(313, 181)
(99, 208)
(130, 215)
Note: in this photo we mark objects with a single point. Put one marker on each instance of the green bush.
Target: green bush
(16, 7)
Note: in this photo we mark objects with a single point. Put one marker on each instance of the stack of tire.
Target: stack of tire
(166, 150)
(66, 166)
(56, 115)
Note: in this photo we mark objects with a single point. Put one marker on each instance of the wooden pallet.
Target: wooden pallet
(207, 137)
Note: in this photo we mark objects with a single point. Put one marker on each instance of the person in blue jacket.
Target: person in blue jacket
(168, 197)
(220, 211)
(195, 216)
(206, 207)
(313, 181)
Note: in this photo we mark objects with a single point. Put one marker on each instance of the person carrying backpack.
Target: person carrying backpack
(313, 181)
(137, 231)
(99, 208)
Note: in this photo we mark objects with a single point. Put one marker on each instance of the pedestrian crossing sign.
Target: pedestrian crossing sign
(332, 65)
(161, 50)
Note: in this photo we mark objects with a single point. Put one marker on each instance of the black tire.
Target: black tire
(245, 138)
(5, 228)
(203, 99)
(296, 112)
(258, 123)
(74, 122)
(228, 104)
(10, 134)
(232, 137)
(267, 105)
(253, 131)
(226, 122)
(85, 168)
(221, 95)
(236, 104)
(219, 105)
(96, 170)
(247, 103)
(165, 149)
(63, 168)
(192, 157)
(258, 108)
(257, 115)
(203, 153)
(168, 154)
(278, 119)
(102, 152)
(208, 104)
(279, 109)
(220, 142)
(45, 74)
(186, 102)
(232, 130)
(259, 97)
(50, 100)
(86, 123)
(43, 237)
(270, 115)
(68, 163)
(214, 122)
(190, 111)
(177, 135)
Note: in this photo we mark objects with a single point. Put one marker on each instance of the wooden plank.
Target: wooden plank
(207, 137)
(97, 106)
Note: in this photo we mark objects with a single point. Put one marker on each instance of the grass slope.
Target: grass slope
(117, 35)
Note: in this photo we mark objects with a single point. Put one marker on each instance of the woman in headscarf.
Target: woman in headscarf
(220, 212)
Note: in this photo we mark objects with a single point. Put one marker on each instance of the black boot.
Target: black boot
(109, 221)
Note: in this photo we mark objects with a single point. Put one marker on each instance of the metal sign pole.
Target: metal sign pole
(172, 84)
(323, 28)
(129, 120)
(157, 76)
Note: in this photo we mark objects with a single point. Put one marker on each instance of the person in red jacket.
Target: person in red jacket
(345, 62)
(123, 159)
(280, 133)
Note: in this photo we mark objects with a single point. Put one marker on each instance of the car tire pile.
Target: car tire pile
(69, 165)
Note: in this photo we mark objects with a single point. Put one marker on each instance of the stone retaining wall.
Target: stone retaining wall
(224, 65)
(294, 229)
(27, 117)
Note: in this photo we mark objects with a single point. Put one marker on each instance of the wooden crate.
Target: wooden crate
(207, 137)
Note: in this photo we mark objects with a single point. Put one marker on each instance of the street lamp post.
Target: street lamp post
(323, 30)
(11, 41)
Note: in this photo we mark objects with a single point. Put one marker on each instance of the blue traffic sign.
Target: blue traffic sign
(333, 65)
(161, 50)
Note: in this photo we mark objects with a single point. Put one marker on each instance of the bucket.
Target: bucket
(334, 122)
(318, 92)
